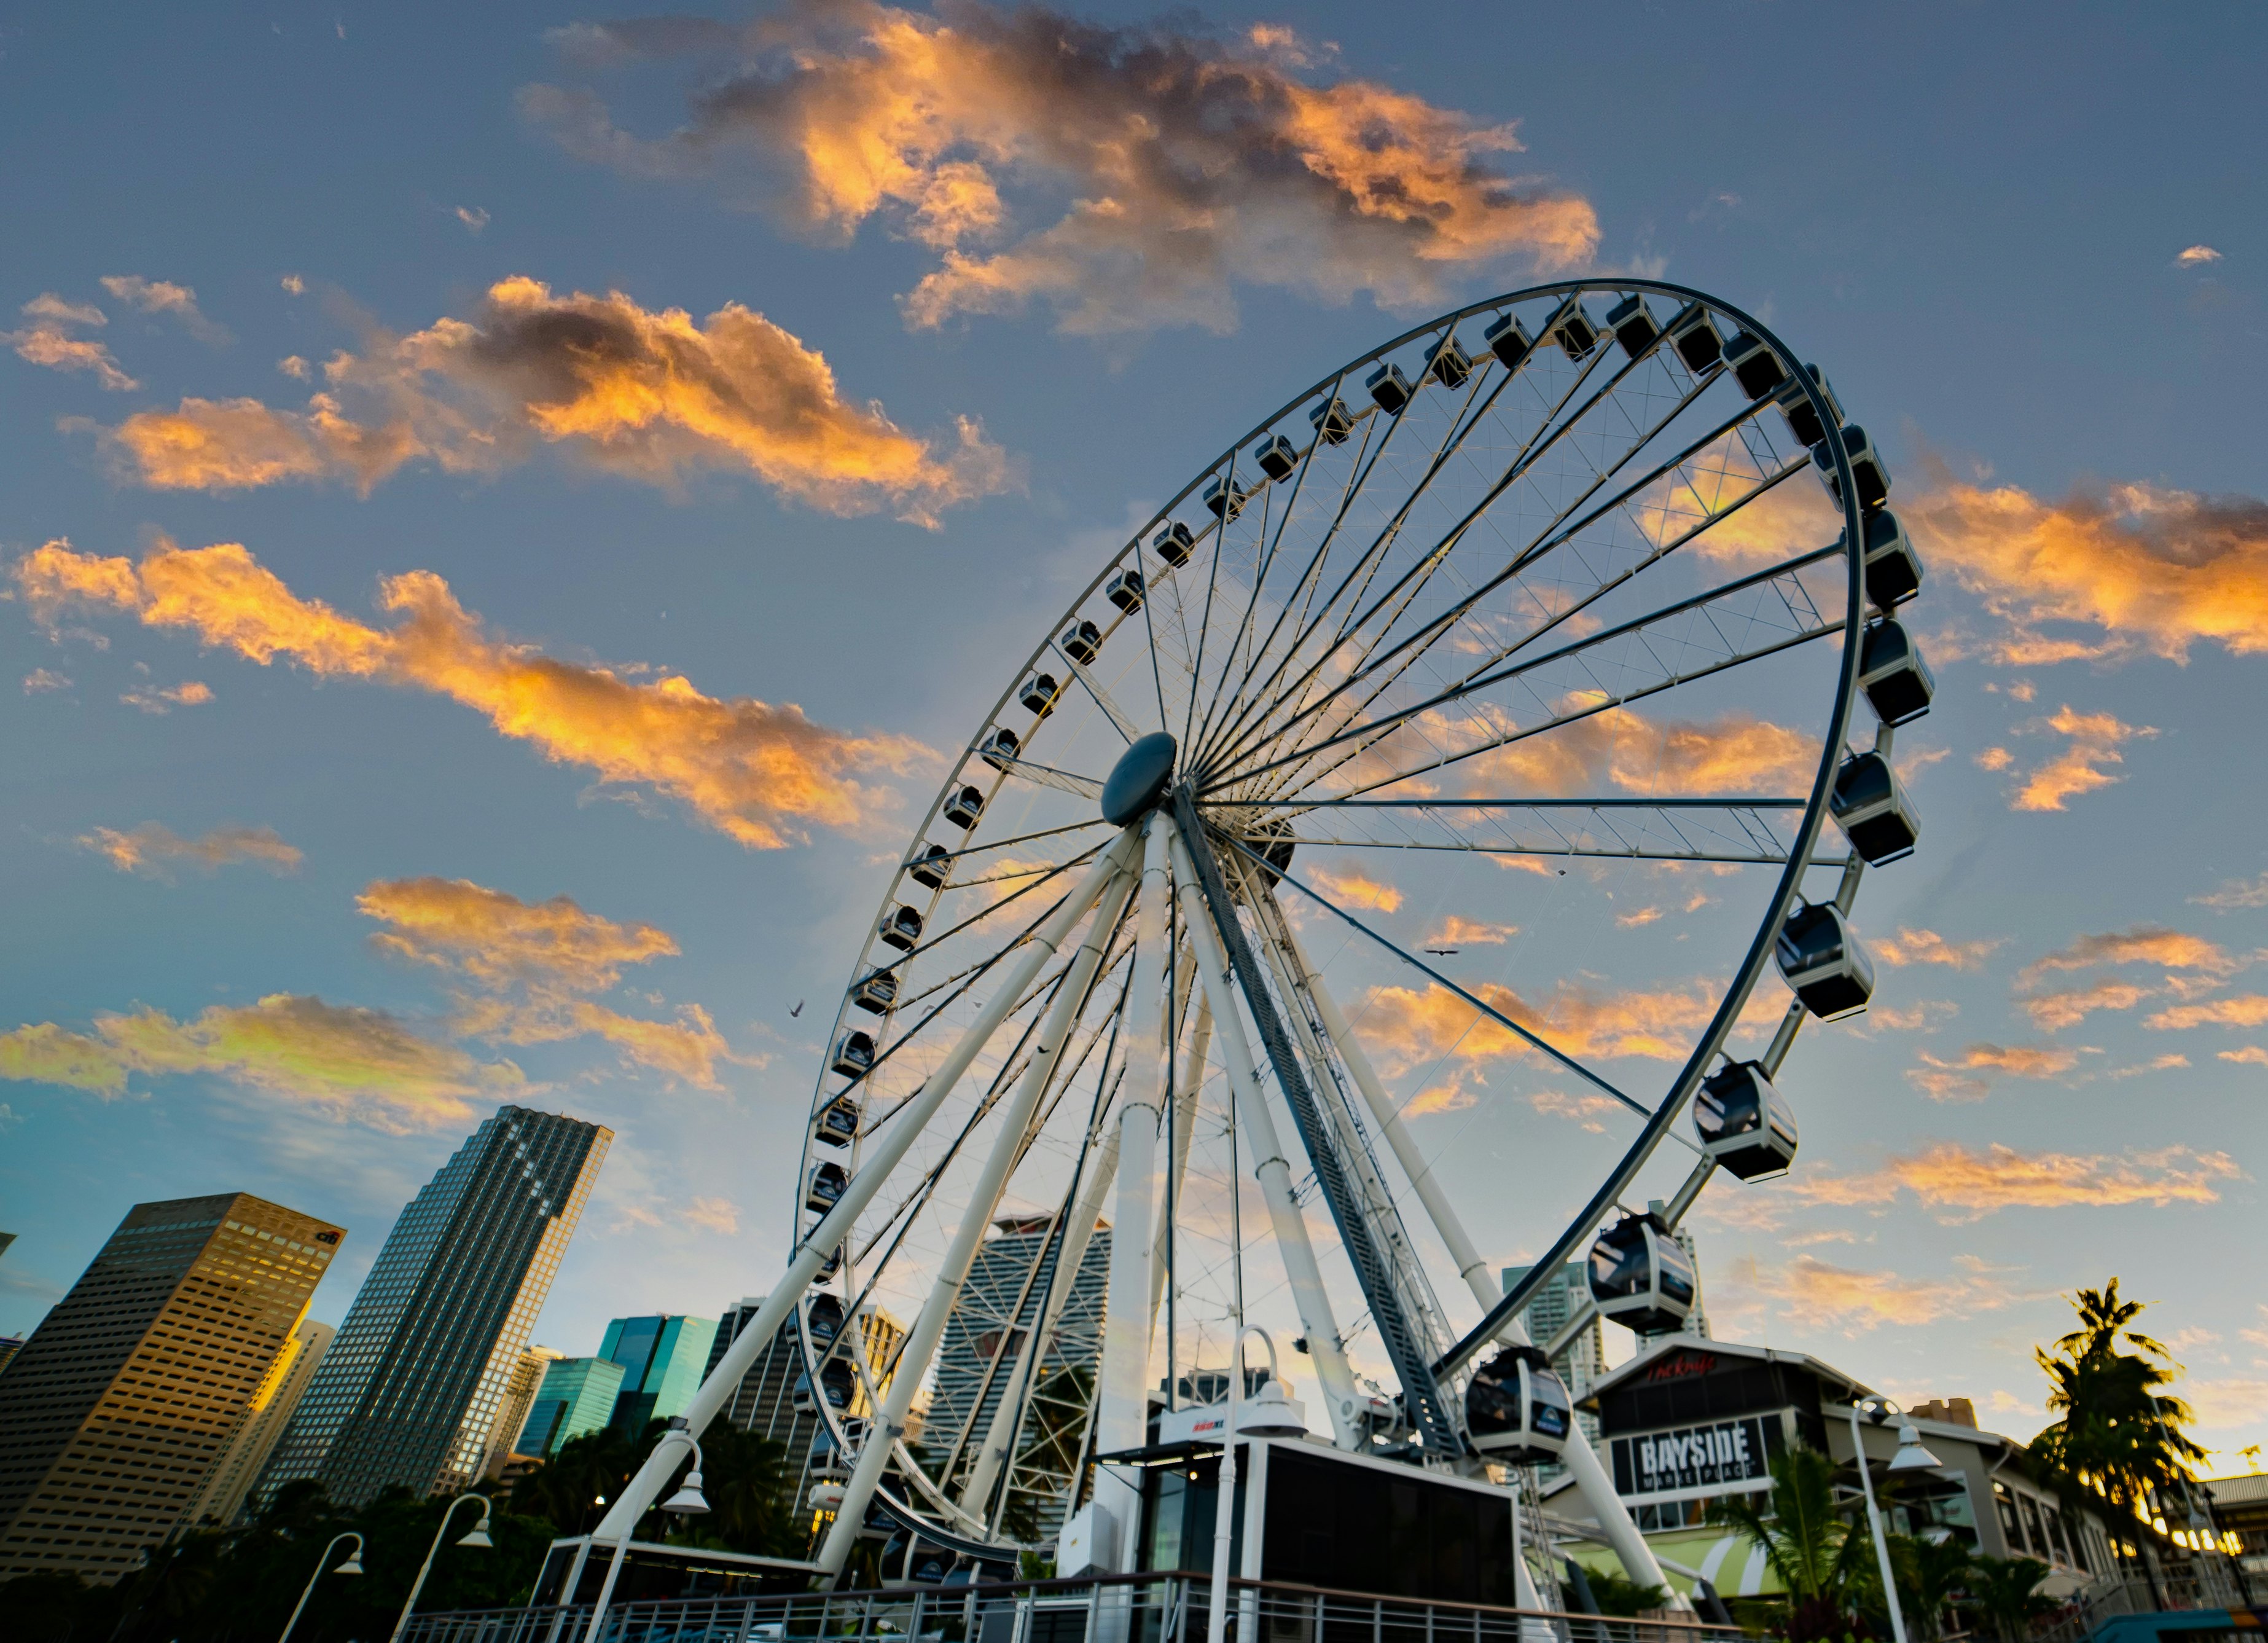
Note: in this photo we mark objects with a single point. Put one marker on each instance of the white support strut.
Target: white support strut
(1582, 1461)
(1015, 1120)
(1271, 1166)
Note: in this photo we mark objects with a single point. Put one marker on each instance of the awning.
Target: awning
(1733, 1565)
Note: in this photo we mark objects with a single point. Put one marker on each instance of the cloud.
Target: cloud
(1585, 1109)
(1815, 1295)
(164, 700)
(1450, 1096)
(293, 285)
(2252, 1055)
(648, 394)
(1466, 933)
(1182, 163)
(352, 1063)
(527, 965)
(2078, 768)
(1407, 1027)
(1638, 920)
(1734, 753)
(472, 218)
(41, 681)
(760, 774)
(2197, 256)
(2227, 1402)
(1957, 1080)
(1355, 890)
(2150, 569)
(2052, 1011)
(717, 1215)
(1995, 759)
(2144, 944)
(1926, 946)
(2248, 1011)
(1972, 1184)
(153, 850)
(158, 296)
(46, 341)
(2235, 893)
(1924, 1016)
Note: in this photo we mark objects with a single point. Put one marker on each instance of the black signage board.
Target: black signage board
(1696, 1457)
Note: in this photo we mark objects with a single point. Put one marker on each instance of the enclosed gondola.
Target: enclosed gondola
(964, 807)
(1575, 331)
(1124, 590)
(1633, 325)
(1081, 642)
(1870, 805)
(1388, 388)
(1225, 498)
(1866, 470)
(834, 1383)
(824, 1319)
(875, 992)
(1823, 961)
(1332, 421)
(1038, 692)
(1755, 366)
(932, 867)
(1803, 420)
(1174, 544)
(854, 1055)
(826, 1185)
(1744, 1123)
(901, 927)
(1276, 456)
(837, 1123)
(1699, 342)
(1898, 683)
(1517, 1409)
(1448, 362)
(1640, 1277)
(1894, 566)
(1509, 340)
(999, 748)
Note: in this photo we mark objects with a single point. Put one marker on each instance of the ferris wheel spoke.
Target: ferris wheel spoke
(1047, 775)
(990, 845)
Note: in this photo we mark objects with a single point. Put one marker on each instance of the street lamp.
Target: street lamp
(1910, 1457)
(352, 1565)
(689, 1498)
(478, 1537)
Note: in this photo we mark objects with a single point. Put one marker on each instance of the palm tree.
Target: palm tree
(1826, 1564)
(570, 1487)
(2118, 1431)
(1929, 1573)
(2004, 1592)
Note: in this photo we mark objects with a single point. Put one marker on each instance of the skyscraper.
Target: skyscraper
(578, 1395)
(764, 1401)
(126, 1396)
(262, 1426)
(662, 1359)
(411, 1389)
(512, 1414)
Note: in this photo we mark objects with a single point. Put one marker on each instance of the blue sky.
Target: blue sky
(2025, 242)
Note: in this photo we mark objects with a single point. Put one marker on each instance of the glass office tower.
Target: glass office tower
(412, 1388)
(662, 1359)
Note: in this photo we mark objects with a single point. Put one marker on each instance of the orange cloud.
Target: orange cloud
(1972, 1184)
(758, 773)
(2053, 1011)
(1406, 1027)
(2153, 569)
(1816, 1294)
(2248, 1011)
(1192, 162)
(1352, 889)
(531, 963)
(2252, 1055)
(1926, 946)
(152, 850)
(2078, 768)
(2144, 944)
(46, 341)
(159, 296)
(1585, 1109)
(1466, 933)
(354, 1063)
(152, 699)
(1734, 753)
(647, 394)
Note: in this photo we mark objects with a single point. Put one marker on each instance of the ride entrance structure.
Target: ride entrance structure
(1545, 626)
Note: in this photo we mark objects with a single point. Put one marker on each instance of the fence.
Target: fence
(2203, 1583)
(1126, 1608)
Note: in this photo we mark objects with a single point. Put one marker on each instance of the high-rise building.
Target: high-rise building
(125, 1397)
(764, 1401)
(262, 1426)
(10, 1345)
(411, 1389)
(579, 1395)
(1582, 1362)
(663, 1359)
(511, 1414)
(1001, 1302)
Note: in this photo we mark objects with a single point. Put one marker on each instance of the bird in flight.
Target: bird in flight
(1444, 952)
(797, 1010)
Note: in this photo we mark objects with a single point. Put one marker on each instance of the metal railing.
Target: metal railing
(1123, 1608)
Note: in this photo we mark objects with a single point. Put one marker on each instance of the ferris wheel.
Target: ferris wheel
(1390, 838)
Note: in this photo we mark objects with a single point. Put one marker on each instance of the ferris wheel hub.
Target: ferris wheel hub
(1138, 781)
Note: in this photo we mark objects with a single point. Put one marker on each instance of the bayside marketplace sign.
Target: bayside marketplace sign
(1727, 1452)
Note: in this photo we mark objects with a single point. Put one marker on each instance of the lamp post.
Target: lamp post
(479, 1537)
(1223, 1510)
(352, 1565)
(688, 1499)
(1911, 1456)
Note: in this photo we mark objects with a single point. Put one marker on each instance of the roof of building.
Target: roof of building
(1638, 1367)
(2248, 1489)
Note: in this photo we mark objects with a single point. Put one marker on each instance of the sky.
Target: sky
(505, 510)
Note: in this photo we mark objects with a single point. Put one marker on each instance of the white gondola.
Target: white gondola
(964, 807)
(1897, 682)
(1038, 694)
(1276, 456)
(1744, 1123)
(1509, 340)
(837, 1123)
(834, 1385)
(1517, 1409)
(1633, 325)
(1388, 388)
(1448, 362)
(1225, 498)
(1331, 420)
(876, 991)
(854, 1055)
(1575, 331)
(999, 749)
(826, 1185)
(1894, 566)
(930, 868)
(1870, 805)
(1866, 470)
(1755, 366)
(825, 1315)
(1124, 590)
(1174, 544)
(1640, 1279)
(1080, 642)
(1697, 340)
(901, 928)
(1803, 419)
(1824, 962)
